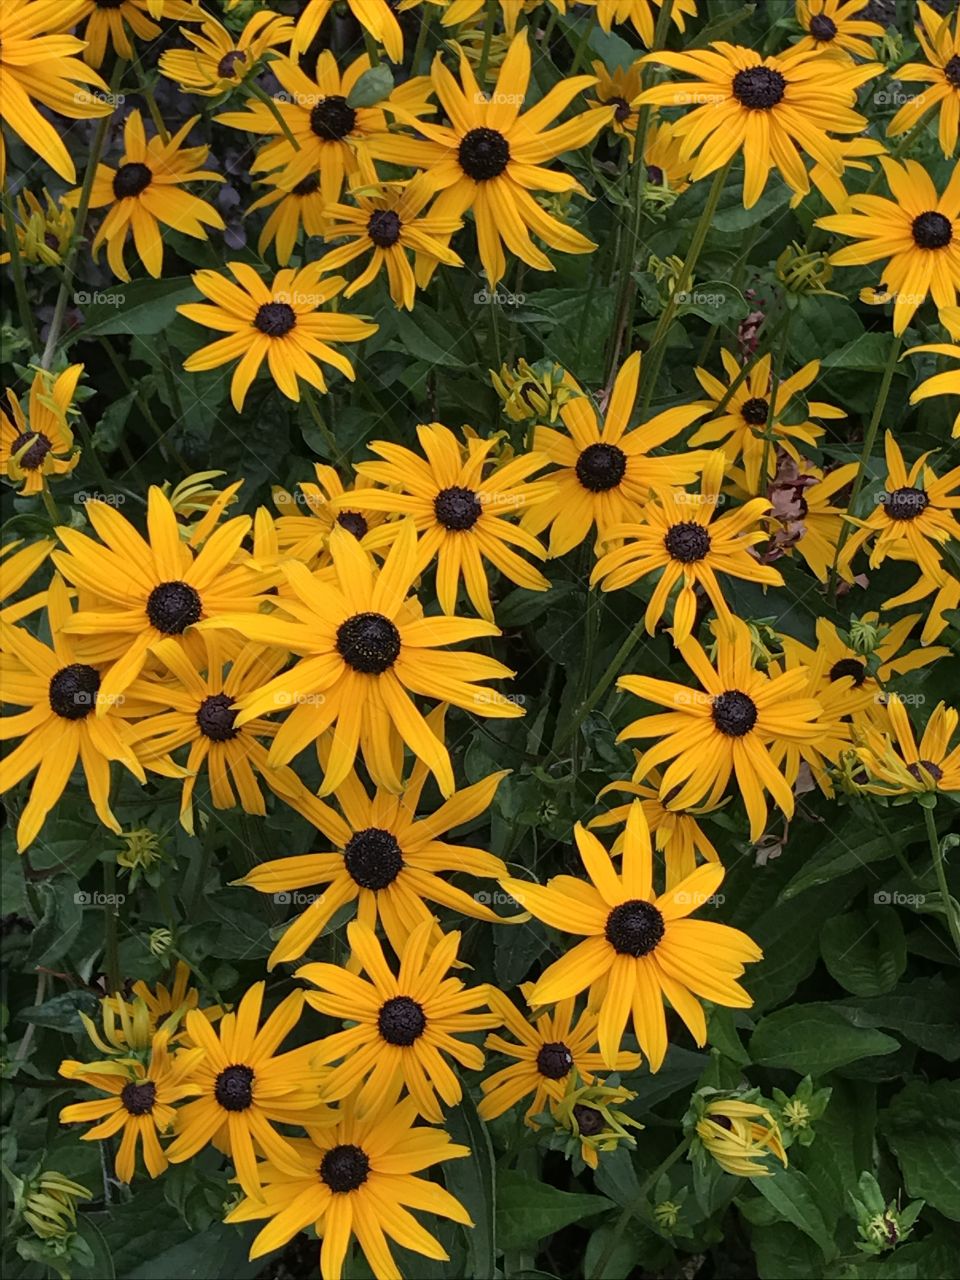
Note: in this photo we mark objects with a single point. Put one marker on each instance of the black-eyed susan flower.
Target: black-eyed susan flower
(617, 89)
(113, 23)
(589, 1121)
(948, 382)
(548, 1052)
(145, 193)
(680, 536)
(726, 727)
(677, 833)
(855, 153)
(641, 14)
(44, 231)
(281, 323)
(941, 583)
(404, 1026)
(197, 700)
(219, 60)
(940, 41)
(741, 427)
(842, 705)
(533, 392)
(308, 517)
(137, 591)
(639, 948)
(838, 27)
(802, 498)
(356, 1178)
(165, 1006)
(389, 223)
(917, 233)
(69, 717)
(291, 209)
(898, 765)
(331, 138)
(915, 514)
(773, 109)
(459, 513)
(246, 1088)
(38, 64)
(387, 861)
(365, 648)
(19, 562)
(741, 1136)
(491, 158)
(606, 472)
(140, 1102)
(375, 16)
(39, 443)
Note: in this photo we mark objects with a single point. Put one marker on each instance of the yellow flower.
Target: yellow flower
(109, 22)
(641, 14)
(947, 383)
(219, 61)
(301, 206)
(19, 563)
(306, 521)
(800, 495)
(39, 443)
(898, 766)
(43, 233)
(375, 16)
(837, 26)
(740, 1136)
(941, 47)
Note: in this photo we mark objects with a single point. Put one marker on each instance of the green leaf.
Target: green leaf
(865, 951)
(372, 87)
(922, 1126)
(784, 1253)
(60, 1013)
(141, 307)
(813, 1039)
(528, 1210)
(925, 1012)
(715, 301)
(474, 1182)
(435, 348)
(62, 905)
(844, 853)
(869, 351)
(789, 1192)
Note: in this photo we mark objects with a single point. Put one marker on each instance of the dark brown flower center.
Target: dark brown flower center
(952, 72)
(332, 118)
(822, 28)
(234, 1088)
(384, 228)
(354, 523)
(35, 445)
(345, 1168)
(174, 606)
(108, 4)
(131, 179)
(634, 928)
(601, 467)
(457, 509)
(139, 1098)
(759, 88)
(734, 713)
(655, 175)
(483, 154)
(373, 858)
(368, 642)
(308, 186)
(275, 319)
(755, 411)
(932, 230)
(554, 1060)
(401, 1021)
(934, 770)
(73, 691)
(687, 541)
(227, 66)
(906, 503)
(849, 667)
(215, 718)
(589, 1120)
(621, 109)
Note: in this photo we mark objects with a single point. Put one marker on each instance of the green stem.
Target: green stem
(652, 365)
(313, 409)
(487, 41)
(425, 17)
(599, 689)
(373, 53)
(776, 378)
(143, 404)
(950, 907)
(110, 944)
(251, 87)
(637, 1206)
(19, 282)
(865, 454)
(581, 46)
(50, 503)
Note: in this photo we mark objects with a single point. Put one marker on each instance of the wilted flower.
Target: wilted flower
(739, 1135)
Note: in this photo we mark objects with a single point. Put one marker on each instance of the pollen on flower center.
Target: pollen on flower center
(952, 71)
(734, 713)
(373, 858)
(759, 88)
(822, 28)
(401, 1021)
(131, 179)
(601, 467)
(755, 411)
(234, 1088)
(368, 642)
(383, 228)
(589, 1120)
(554, 1060)
(332, 118)
(906, 503)
(634, 928)
(849, 667)
(483, 154)
(227, 66)
(73, 691)
(354, 523)
(275, 319)
(215, 718)
(36, 446)
(457, 509)
(345, 1168)
(932, 230)
(173, 606)
(139, 1098)
(687, 541)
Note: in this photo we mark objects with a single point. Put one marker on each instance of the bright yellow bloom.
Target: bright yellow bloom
(947, 383)
(801, 495)
(898, 766)
(18, 564)
(219, 61)
(292, 209)
(641, 15)
(108, 23)
(740, 1136)
(307, 519)
(375, 16)
(941, 71)
(39, 443)
(837, 27)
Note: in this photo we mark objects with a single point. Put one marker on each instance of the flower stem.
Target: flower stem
(314, 410)
(251, 87)
(19, 283)
(487, 41)
(421, 38)
(950, 907)
(636, 1206)
(775, 379)
(110, 944)
(600, 688)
